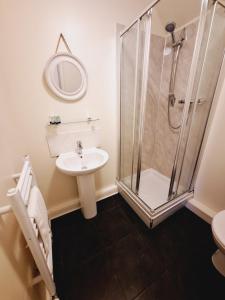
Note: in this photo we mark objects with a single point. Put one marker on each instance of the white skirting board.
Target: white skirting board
(73, 204)
(201, 210)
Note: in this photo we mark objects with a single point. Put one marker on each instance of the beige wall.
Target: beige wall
(29, 34)
(16, 264)
(32, 30)
(210, 185)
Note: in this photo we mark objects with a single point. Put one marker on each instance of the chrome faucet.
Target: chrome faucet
(79, 148)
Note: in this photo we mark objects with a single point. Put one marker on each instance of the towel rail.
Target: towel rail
(20, 212)
(19, 201)
(5, 209)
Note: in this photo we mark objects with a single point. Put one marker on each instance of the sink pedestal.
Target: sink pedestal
(86, 190)
(84, 167)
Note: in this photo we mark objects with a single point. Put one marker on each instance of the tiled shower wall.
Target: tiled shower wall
(160, 141)
(152, 101)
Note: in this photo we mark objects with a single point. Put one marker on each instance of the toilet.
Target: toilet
(218, 230)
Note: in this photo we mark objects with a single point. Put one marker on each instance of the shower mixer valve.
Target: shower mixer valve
(172, 99)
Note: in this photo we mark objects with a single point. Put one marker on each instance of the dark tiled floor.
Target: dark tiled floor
(115, 257)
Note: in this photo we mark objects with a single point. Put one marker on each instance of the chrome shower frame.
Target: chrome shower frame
(149, 216)
(189, 99)
(196, 102)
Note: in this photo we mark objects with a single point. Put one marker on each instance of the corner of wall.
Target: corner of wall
(73, 204)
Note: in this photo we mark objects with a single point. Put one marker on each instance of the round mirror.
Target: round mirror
(66, 76)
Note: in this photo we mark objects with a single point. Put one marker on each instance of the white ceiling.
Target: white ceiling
(179, 11)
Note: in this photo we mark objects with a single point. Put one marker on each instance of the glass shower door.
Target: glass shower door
(171, 52)
(132, 74)
(129, 50)
(159, 59)
(212, 54)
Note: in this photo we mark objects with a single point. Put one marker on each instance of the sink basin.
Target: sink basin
(73, 164)
(83, 167)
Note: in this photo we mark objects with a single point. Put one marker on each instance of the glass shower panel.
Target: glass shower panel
(144, 24)
(188, 123)
(131, 81)
(127, 102)
(214, 53)
(170, 34)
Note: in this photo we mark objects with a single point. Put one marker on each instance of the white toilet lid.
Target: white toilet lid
(218, 227)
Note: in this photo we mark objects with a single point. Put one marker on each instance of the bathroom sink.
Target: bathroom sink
(83, 163)
(74, 164)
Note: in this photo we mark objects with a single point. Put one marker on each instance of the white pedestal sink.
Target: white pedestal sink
(84, 166)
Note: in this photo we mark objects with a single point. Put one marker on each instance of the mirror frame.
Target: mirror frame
(52, 63)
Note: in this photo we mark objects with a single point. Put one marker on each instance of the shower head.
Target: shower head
(170, 27)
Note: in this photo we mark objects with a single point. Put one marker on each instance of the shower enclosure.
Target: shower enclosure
(170, 61)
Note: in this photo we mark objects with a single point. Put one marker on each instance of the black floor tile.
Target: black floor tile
(93, 279)
(115, 256)
(112, 225)
(166, 287)
(135, 266)
(109, 203)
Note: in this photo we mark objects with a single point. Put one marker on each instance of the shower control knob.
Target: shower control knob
(172, 99)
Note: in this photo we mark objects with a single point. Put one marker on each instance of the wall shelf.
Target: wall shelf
(88, 120)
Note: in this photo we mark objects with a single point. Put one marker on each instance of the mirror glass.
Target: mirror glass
(67, 77)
